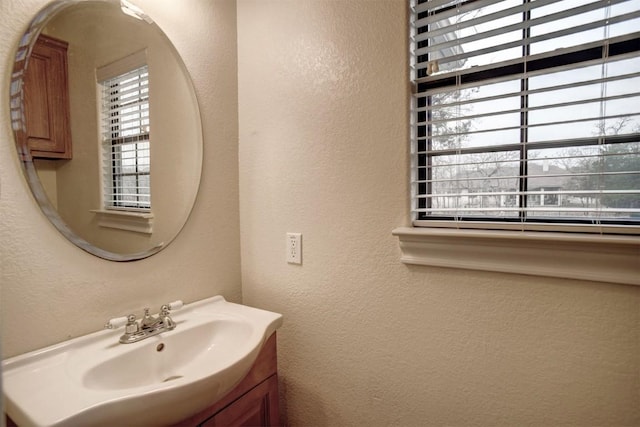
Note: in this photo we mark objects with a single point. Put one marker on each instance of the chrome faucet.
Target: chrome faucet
(148, 321)
(148, 326)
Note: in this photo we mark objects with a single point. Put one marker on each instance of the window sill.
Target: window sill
(604, 258)
(139, 222)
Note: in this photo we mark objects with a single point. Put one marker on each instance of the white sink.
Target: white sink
(96, 381)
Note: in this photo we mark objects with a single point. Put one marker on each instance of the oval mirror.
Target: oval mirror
(107, 127)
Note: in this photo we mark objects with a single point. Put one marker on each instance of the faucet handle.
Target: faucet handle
(116, 322)
(132, 325)
(175, 305)
(166, 308)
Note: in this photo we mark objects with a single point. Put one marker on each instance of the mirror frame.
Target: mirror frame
(18, 124)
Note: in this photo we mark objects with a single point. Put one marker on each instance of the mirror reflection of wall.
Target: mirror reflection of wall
(98, 35)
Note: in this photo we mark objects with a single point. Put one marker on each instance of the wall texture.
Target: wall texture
(323, 101)
(52, 290)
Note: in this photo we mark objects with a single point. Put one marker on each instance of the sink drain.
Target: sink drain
(160, 347)
(175, 377)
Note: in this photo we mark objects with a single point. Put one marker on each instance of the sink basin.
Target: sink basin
(164, 359)
(96, 381)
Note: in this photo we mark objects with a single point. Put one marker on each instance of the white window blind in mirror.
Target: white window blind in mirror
(526, 114)
(125, 141)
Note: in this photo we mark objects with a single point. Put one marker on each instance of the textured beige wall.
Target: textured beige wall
(366, 340)
(52, 290)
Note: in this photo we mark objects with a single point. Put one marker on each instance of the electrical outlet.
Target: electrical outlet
(294, 248)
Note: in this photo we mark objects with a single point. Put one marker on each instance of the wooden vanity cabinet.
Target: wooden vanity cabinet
(46, 100)
(253, 402)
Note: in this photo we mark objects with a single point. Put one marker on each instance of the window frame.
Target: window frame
(421, 185)
(113, 142)
(557, 250)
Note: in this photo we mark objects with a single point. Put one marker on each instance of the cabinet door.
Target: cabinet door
(257, 407)
(46, 99)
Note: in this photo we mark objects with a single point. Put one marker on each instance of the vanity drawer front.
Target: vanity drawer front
(258, 407)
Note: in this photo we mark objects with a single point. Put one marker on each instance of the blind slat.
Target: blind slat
(125, 91)
(589, 7)
(530, 126)
(142, 106)
(531, 209)
(522, 42)
(531, 193)
(547, 89)
(470, 7)
(546, 107)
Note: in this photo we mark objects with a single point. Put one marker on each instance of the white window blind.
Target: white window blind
(527, 112)
(125, 141)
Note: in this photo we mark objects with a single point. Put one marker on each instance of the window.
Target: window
(526, 113)
(125, 140)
